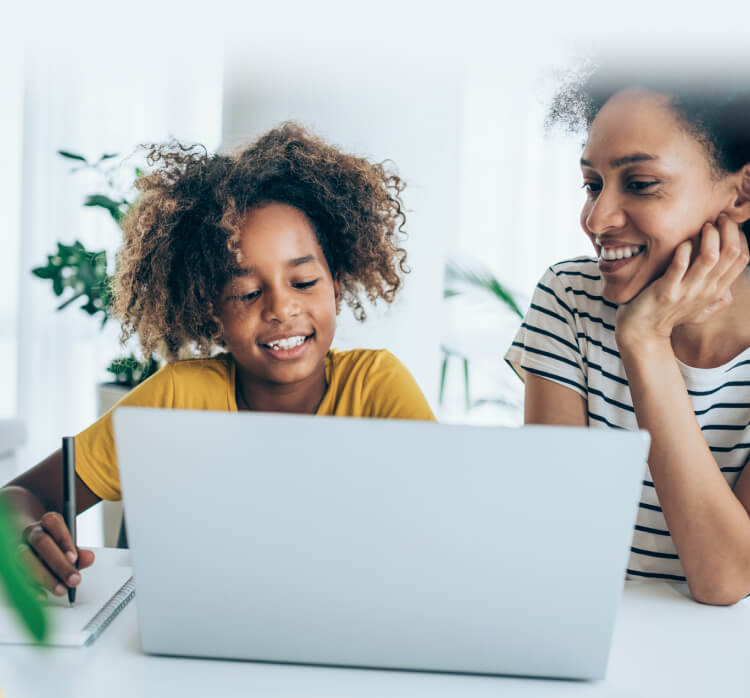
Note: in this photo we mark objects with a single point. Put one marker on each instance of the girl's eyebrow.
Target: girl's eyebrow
(299, 261)
(296, 262)
(624, 160)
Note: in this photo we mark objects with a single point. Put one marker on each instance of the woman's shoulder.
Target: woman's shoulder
(575, 282)
(579, 271)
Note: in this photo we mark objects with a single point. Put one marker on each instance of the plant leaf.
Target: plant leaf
(481, 278)
(107, 156)
(18, 588)
(44, 272)
(105, 202)
(72, 156)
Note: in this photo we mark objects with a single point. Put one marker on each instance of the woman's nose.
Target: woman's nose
(604, 213)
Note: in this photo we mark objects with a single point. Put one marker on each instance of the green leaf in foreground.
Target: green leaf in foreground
(17, 587)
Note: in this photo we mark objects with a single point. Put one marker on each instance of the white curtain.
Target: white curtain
(89, 104)
(520, 196)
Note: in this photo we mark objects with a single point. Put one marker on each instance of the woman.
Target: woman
(654, 332)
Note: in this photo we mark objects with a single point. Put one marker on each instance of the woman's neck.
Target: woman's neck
(722, 336)
(302, 397)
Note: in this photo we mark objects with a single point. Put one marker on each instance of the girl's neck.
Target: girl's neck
(303, 397)
(722, 336)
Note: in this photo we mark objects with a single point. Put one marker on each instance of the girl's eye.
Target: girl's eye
(305, 284)
(248, 297)
(592, 188)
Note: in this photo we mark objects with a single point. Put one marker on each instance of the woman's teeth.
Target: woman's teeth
(612, 253)
(286, 343)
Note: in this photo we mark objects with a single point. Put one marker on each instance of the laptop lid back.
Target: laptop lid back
(378, 543)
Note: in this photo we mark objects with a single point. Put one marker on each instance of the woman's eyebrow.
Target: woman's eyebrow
(624, 160)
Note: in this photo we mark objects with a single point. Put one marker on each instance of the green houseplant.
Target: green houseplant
(79, 274)
(459, 279)
(14, 582)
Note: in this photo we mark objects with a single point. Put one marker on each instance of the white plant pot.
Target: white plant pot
(107, 395)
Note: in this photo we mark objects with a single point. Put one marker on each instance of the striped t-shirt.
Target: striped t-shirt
(568, 337)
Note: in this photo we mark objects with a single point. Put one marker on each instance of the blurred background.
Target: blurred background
(455, 100)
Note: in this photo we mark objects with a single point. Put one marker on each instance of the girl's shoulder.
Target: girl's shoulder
(216, 367)
(206, 383)
(344, 363)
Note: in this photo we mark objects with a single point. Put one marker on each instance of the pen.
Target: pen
(69, 496)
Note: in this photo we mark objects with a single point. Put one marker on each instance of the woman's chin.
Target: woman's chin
(619, 293)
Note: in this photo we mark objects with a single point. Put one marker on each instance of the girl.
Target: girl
(653, 332)
(252, 254)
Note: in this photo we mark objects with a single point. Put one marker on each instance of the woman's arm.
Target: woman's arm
(547, 402)
(709, 523)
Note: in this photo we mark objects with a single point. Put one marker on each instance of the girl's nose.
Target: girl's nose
(280, 305)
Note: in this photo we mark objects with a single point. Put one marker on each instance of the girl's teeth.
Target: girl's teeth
(288, 343)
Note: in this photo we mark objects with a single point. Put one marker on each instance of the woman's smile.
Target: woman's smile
(649, 187)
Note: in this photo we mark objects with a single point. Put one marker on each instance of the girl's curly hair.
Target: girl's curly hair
(181, 237)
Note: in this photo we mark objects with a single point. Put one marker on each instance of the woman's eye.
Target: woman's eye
(592, 188)
(305, 284)
(639, 185)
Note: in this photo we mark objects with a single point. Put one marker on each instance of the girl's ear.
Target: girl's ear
(739, 210)
(337, 293)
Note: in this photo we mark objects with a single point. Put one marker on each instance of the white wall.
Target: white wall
(406, 110)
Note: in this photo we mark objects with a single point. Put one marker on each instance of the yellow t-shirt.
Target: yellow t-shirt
(361, 383)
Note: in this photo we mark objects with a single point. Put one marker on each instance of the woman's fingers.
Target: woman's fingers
(679, 265)
(723, 256)
(708, 257)
(734, 251)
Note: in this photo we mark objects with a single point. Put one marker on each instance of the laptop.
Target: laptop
(378, 543)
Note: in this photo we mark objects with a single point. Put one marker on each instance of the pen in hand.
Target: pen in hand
(69, 496)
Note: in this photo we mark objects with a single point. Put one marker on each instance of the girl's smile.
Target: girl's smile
(279, 309)
(286, 348)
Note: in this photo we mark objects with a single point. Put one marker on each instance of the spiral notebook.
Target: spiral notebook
(104, 591)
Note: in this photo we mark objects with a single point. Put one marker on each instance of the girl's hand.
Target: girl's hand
(49, 555)
(686, 292)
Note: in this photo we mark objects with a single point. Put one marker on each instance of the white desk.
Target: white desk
(665, 645)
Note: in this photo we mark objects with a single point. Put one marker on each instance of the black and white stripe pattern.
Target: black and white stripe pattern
(568, 337)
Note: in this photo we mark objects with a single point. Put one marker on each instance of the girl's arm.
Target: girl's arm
(709, 523)
(36, 498)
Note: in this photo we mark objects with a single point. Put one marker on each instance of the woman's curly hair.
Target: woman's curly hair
(181, 237)
(711, 101)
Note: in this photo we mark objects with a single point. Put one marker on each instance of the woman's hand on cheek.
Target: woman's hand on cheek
(687, 292)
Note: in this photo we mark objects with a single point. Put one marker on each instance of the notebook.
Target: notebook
(103, 593)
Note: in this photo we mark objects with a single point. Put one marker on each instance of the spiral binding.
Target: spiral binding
(98, 624)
